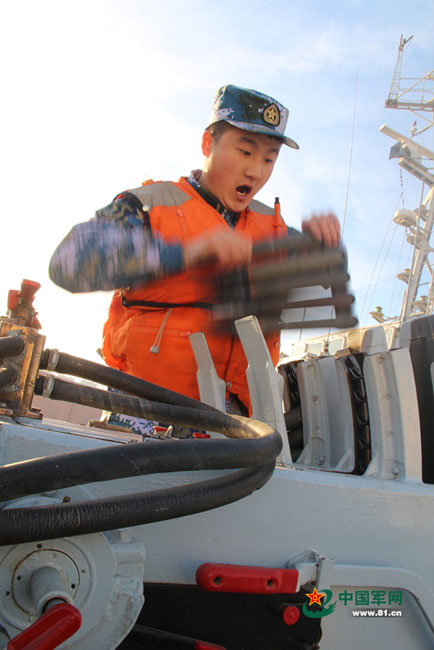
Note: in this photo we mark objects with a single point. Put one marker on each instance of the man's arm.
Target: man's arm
(103, 255)
(115, 250)
(112, 250)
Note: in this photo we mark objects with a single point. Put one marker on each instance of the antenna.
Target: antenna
(410, 93)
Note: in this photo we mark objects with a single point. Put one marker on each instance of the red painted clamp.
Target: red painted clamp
(50, 630)
(238, 579)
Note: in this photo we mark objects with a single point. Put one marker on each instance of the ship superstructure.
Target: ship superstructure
(286, 530)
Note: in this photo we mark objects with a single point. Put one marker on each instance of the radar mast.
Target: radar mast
(417, 96)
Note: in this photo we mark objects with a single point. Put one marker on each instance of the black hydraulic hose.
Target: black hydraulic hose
(7, 376)
(273, 305)
(336, 301)
(19, 525)
(212, 420)
(331, 258)
(342, 322)
(256, 444)
(11, 346)
(71, 365)
(280, 285)
(264, 309)
(292, 243)
(294, 268)
(274, 325)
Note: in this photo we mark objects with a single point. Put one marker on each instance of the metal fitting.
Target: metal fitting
(53, 360)
(48, 584)
(48, 386)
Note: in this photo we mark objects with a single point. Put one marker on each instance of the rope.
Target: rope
(348, 181)
(376, 263)
(396, 274)
(351, 158)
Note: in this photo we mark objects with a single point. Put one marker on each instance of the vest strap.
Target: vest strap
(163, 305)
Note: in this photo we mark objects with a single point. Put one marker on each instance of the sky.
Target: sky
(100, 95)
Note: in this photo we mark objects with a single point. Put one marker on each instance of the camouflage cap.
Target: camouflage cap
(252, 111)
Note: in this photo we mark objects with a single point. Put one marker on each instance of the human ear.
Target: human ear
(207, 139)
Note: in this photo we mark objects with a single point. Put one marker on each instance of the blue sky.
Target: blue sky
(100, 95)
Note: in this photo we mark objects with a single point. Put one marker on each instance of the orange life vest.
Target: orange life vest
(152, 343)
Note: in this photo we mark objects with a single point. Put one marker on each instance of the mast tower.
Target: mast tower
(417, 96)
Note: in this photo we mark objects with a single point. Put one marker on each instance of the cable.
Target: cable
(70, 365)
(351, 158)
(256, 443)
(371, 279)
(255, 447)
(21, 525)
(396, 273)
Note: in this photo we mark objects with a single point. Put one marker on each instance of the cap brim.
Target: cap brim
(263, 130)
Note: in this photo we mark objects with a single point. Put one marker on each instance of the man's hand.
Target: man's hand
(228, 249)
(324, 228)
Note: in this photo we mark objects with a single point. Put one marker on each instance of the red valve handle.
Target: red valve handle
(28, 290)
(50, 630)
(13, 297)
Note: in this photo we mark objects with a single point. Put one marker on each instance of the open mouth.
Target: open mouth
(243, 190)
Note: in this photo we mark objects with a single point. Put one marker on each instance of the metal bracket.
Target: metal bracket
(324, 573)
(212, 389)
(265, 383)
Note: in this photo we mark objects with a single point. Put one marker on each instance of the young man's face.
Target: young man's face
(237, 165)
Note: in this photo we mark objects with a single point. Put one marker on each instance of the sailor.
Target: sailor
(171, 229)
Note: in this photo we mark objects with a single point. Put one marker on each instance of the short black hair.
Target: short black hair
(218, 129)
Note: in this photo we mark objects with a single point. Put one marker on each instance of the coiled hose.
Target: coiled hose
(254, 446)
(67, 364)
